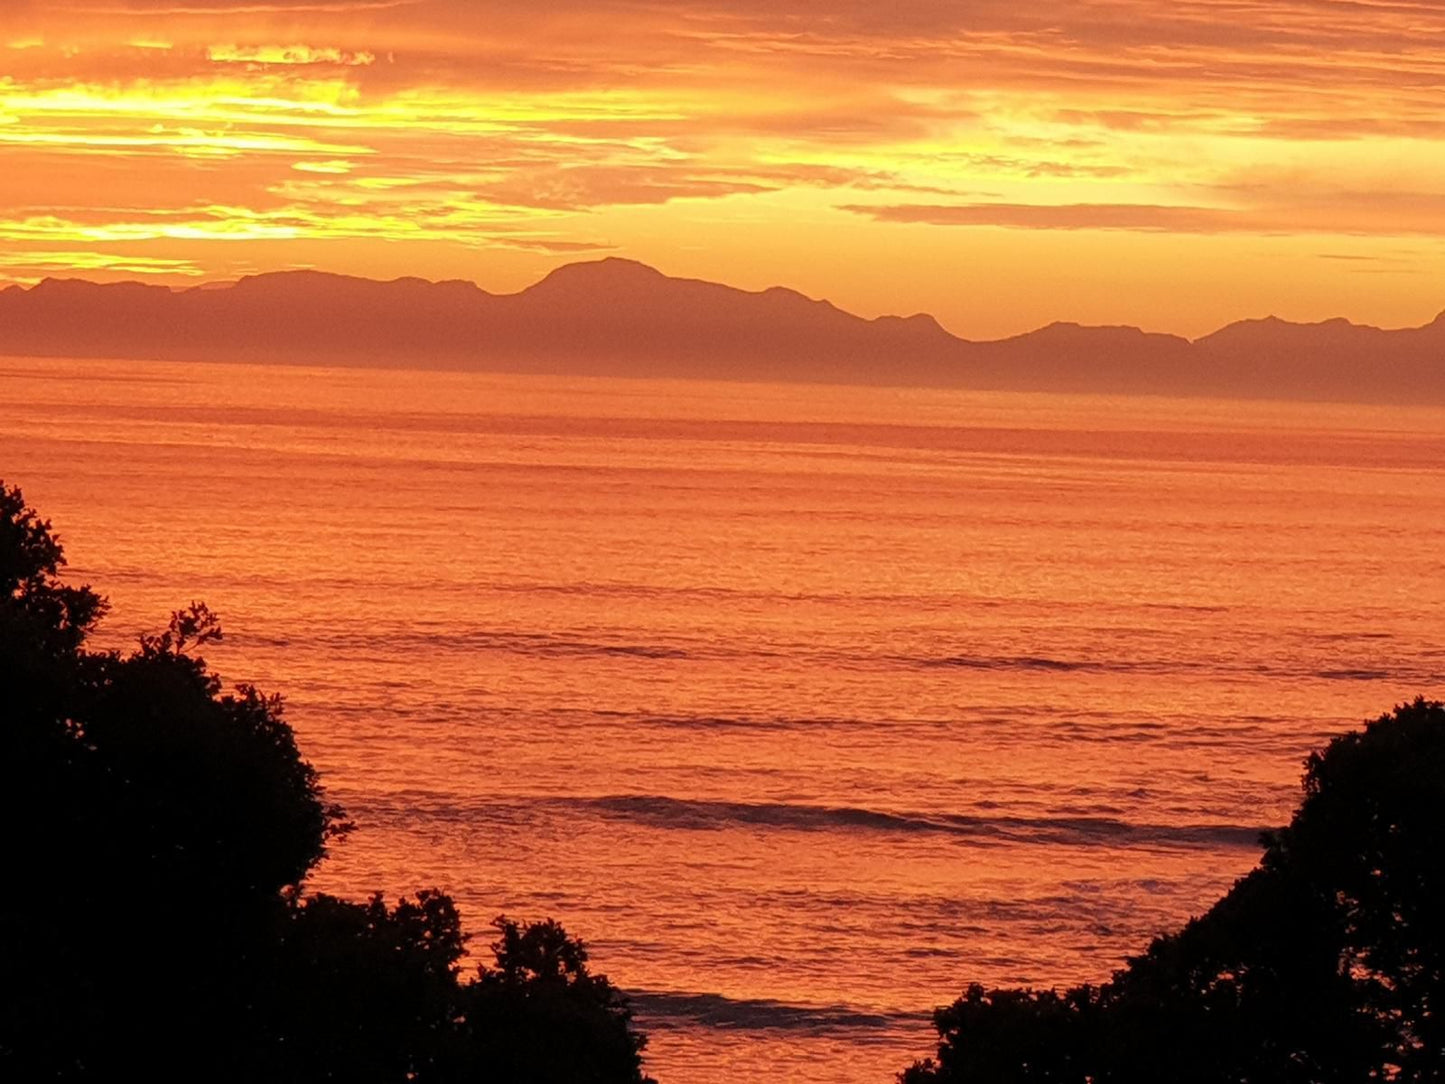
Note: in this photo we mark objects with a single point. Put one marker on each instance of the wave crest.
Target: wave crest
(662, 1010)
(1072, 830)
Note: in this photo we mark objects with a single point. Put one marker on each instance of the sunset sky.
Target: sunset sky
(999, 164)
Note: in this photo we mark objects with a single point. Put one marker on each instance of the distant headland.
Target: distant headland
(616, 317)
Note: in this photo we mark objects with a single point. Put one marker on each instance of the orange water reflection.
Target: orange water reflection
(803, 705)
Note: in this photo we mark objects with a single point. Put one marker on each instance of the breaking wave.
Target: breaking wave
(662, 1010)
(1072, 830)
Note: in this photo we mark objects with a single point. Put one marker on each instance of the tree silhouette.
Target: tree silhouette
(1322, 965)
(153, 919)
(1369, 839)
(541, 987)
(360, 993)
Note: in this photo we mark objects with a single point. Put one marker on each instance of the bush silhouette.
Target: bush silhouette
(541, 988)
(154, 923)
(1324, 964)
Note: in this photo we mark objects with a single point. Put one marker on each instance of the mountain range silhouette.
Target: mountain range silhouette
(617, 317)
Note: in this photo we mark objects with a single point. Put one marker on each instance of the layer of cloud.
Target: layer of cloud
(479, 123)
(1262, 210)
(1068, 216)
(29, 266)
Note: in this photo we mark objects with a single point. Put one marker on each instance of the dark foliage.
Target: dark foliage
(1325, 964)
(153, 923)
(1016, 1036)
(360, 992)
(541, 988)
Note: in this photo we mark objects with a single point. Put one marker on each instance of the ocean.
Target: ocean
(804, 706)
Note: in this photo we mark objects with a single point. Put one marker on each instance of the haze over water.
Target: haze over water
(804, 706)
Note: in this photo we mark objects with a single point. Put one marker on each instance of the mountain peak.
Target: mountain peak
(1071, 329)
(609, 271)
(303, 285)
(1273, 329)
(52, 287)
(295, 274)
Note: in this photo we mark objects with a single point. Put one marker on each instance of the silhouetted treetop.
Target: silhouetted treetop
(34, 604)
(541, 986)
(153, 923)
(1370, 836)
(1325, 964)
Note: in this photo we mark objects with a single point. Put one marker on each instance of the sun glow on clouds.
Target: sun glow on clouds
(996, 163)
(261, 55)
(79, 262)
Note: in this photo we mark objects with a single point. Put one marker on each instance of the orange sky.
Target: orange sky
(998, 163)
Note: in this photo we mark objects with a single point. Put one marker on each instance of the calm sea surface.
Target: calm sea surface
(804, 706)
